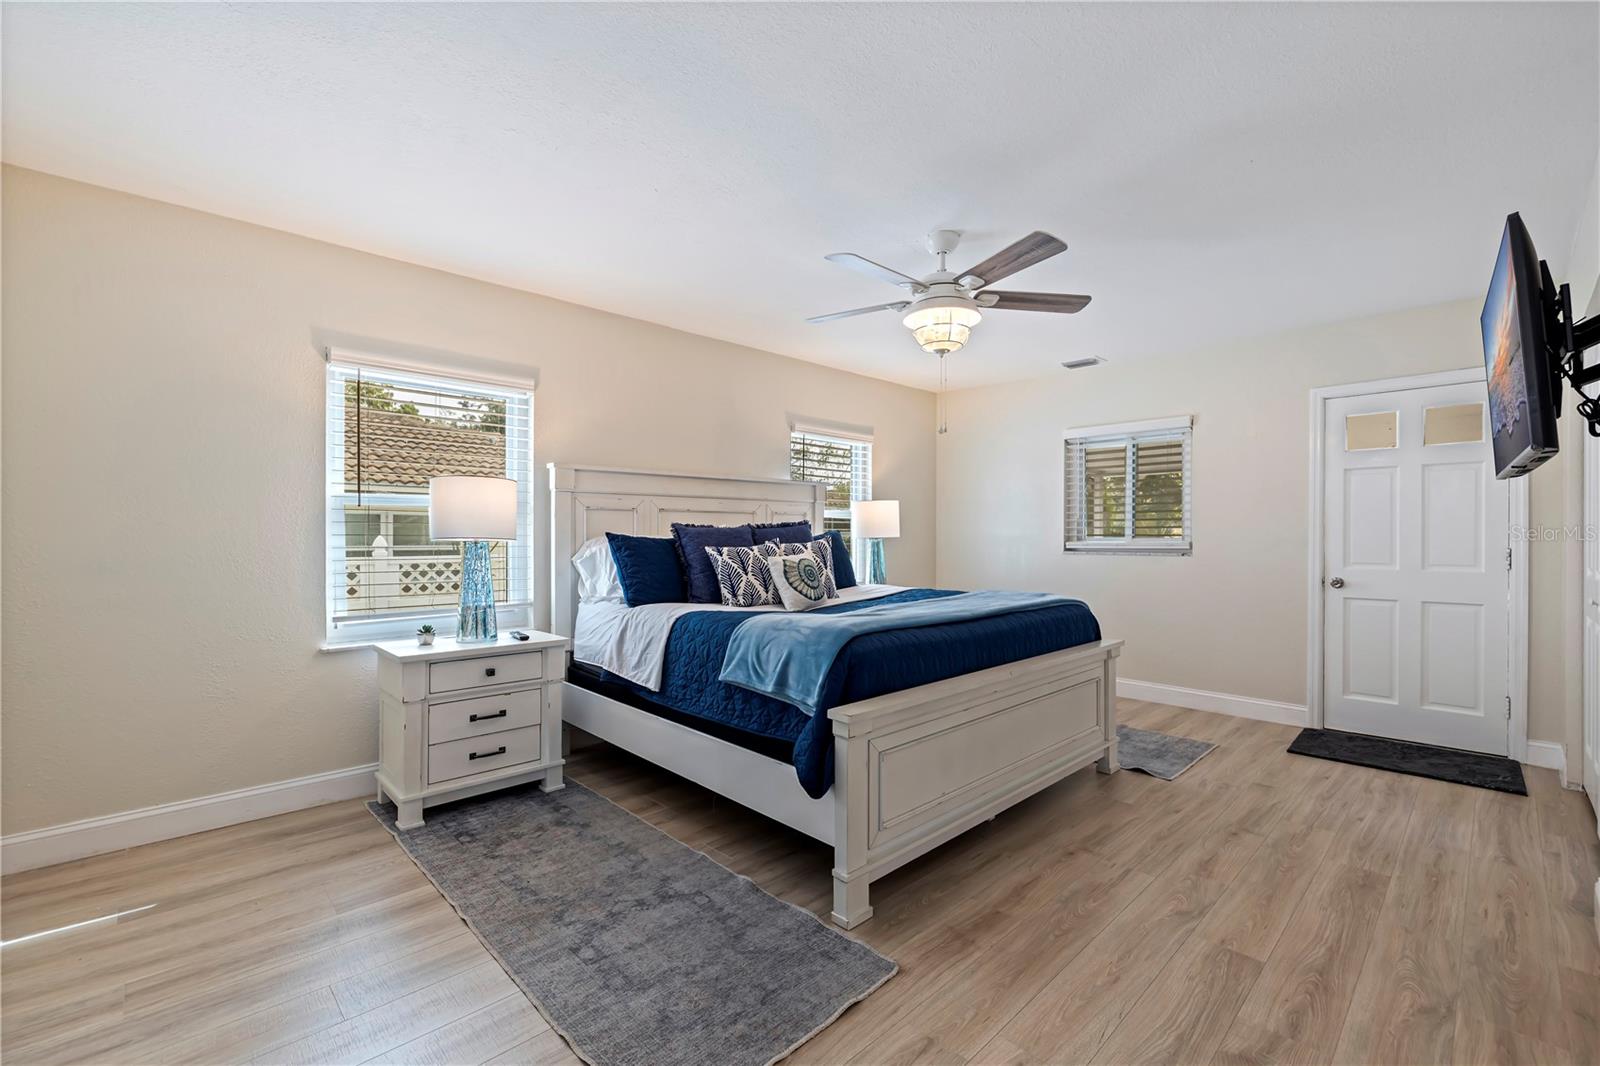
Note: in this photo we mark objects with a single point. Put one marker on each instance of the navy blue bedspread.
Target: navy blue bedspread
(870, 665)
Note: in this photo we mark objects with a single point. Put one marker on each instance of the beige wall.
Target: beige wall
(1231, 617)
(162, 444)
(163, 464)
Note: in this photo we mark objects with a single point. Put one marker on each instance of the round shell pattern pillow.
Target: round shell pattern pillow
(804, 574)
(802, 580)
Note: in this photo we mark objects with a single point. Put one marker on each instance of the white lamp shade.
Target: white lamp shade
(472, 508)
(875, 519)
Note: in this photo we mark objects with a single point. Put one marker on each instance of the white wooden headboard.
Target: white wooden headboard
(589, 501)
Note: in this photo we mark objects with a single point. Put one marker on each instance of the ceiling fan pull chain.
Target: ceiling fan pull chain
(944, 380)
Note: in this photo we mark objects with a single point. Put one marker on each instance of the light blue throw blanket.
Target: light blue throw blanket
(788, 655)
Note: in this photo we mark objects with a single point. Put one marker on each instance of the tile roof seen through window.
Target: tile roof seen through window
(402, 451)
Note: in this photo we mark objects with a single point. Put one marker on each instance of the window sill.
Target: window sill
(1125, 548)
(350, 645)
(364, 635)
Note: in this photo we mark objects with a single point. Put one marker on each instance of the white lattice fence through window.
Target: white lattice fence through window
(410, 582)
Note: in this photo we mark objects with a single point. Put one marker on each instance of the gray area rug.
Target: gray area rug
(639, 950)
(1158, 754)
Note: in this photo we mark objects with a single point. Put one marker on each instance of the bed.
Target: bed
(915, 746)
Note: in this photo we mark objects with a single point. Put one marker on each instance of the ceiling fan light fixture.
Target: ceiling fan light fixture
(945, 305)
(942, 338)
(943, 324)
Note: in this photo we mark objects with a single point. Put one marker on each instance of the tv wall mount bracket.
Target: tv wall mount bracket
(1570, 339)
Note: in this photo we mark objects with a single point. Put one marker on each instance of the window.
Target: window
(842, 462)
(1460, 423)
(389, 431)
(1127, 487)
(1366, 432)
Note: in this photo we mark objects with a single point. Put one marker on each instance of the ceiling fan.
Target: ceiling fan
(945, 305)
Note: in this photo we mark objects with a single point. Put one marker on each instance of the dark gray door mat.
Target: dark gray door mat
(1419, 760)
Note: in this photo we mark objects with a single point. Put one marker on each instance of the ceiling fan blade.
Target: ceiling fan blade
(1036, 247)
(866, 266)
(1061, 302)
(900, 306)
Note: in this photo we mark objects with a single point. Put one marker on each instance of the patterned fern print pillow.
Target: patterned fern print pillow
(743, 577)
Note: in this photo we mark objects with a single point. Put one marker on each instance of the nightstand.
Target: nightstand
(457, 720)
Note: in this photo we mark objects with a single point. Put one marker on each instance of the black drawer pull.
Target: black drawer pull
(501, 713)
(488, 672)
(501, 750)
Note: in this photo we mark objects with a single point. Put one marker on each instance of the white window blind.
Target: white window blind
(1128, 487)
(843, 464)
(389, 431)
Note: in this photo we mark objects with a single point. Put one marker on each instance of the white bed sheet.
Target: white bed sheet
(631, 642)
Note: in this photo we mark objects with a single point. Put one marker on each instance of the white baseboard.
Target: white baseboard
(1222, 702)
(1548, 754)
(113, 832)
(1543, 753)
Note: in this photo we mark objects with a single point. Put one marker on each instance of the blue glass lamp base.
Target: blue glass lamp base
(475, 622)
(877, 574)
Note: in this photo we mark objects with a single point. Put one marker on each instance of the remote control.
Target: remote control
(517, 634)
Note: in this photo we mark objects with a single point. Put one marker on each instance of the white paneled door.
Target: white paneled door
(1416, 606)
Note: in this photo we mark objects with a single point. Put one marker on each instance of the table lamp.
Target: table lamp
(473, 510)
(873, 521)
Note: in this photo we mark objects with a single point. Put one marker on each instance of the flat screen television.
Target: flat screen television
(1523, 391)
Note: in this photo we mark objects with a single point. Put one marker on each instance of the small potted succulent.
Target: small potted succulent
(425, 637)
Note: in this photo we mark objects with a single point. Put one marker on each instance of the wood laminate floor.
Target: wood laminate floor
(1262, 908)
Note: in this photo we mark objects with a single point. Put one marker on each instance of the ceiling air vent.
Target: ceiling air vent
(1080, 364)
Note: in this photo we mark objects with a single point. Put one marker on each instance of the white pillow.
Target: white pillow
(802, 580)
(598, 581)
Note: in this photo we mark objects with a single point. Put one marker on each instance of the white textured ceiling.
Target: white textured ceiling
(1218, 170)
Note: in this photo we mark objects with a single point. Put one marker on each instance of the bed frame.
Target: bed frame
(912, 769)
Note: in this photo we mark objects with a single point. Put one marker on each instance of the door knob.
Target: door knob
(1336, 583)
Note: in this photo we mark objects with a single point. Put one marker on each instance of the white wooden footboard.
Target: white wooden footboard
(914, 768)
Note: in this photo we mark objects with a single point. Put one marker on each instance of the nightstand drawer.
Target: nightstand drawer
(458, 674)
(483, 714)
(479, 755)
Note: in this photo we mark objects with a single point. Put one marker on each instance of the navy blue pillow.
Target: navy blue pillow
(648, 569)
(844, 574)
(782, 532)
(692, 543)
